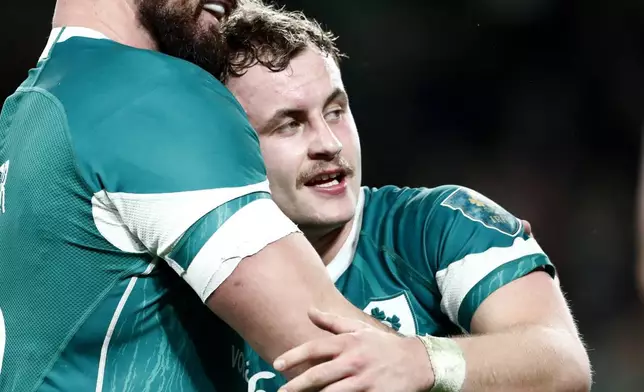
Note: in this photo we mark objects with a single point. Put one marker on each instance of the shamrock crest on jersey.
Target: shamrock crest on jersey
(479, 208)
(393, 321)
(394, 311)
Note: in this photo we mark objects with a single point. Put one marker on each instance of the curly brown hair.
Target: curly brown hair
(257, 33)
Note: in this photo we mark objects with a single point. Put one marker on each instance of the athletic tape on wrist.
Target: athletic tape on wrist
(447, 362)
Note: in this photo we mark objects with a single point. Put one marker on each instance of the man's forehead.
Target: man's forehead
(310, 76)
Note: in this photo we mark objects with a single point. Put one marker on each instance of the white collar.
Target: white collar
(344, 258)
(62, 34)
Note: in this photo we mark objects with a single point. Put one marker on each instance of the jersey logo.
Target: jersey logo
(479, 208)
(395, 312)
(4, 172)
(252, 382)
(393, 321)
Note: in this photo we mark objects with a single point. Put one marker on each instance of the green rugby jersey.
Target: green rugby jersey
(419, 260)
(121, 171)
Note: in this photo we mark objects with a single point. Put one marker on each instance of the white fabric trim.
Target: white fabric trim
(154, 222)
(244, 234)
(110, 225)
(71, 31)
(344, 258)
(3, 338)
(456, 281)
(4, 175)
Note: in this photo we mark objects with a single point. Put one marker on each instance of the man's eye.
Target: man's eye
(334, 115)
(289, 128)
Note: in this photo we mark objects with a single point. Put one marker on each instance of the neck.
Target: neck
(116, 19)
(329, 242)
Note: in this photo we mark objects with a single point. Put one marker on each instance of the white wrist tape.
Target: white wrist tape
(447, 362)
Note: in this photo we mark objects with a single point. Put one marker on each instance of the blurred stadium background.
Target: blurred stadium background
(536, 103)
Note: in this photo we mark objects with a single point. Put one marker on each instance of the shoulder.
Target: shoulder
(136, 114)
(442, 205)
(394, 203)
(398, 219)
(441, 222)
(98, 77)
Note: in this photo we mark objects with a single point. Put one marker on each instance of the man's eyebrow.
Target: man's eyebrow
(337, 94)
(277, 116)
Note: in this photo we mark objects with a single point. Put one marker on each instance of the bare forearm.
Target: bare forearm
(267, 297)
(523, 360)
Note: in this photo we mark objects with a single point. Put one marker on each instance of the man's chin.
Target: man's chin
(327, 215)
(181, 35)
(318, 227)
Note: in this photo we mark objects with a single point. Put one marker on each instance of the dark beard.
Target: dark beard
(177, 33)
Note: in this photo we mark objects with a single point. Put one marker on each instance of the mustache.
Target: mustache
(337, 163)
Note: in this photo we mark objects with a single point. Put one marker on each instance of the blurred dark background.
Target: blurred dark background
(536, 103)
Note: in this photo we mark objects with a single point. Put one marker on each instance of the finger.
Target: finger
(319, 376)
(348, 384)
(314, 350)
(527, 227)
(334, 323)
